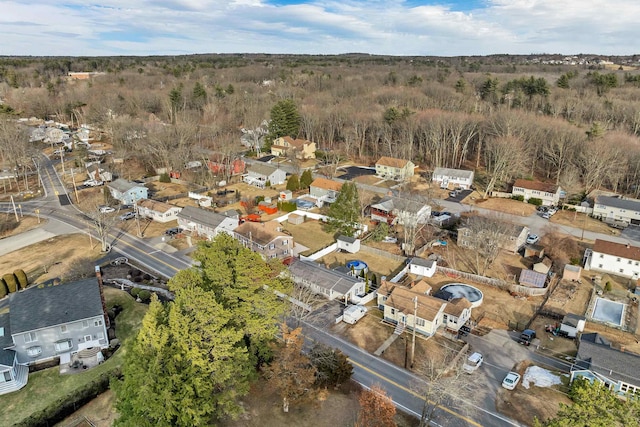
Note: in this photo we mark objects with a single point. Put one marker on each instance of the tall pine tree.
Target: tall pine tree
(344, 214)
(285, 120)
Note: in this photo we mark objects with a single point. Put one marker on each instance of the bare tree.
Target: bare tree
(302, 298)
(102, 221)
(486, 237)
(443, 381)
(503, 158)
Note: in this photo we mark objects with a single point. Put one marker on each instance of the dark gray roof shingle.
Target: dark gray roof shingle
(595, 354)
(323, 277)
(40, 307)
(617, 202)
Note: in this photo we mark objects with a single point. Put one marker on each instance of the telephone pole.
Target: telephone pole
(413, 338)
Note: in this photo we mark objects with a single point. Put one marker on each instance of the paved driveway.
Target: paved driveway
(356, 171)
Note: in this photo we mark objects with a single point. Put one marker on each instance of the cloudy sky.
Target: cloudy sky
(395, 27)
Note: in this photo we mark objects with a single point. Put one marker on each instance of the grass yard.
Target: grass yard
(26, 223)
(377, 263)
(574, 219)
(48, 386)
(309, 234)
(510, 206)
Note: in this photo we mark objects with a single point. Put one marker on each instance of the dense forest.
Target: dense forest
(576, 125)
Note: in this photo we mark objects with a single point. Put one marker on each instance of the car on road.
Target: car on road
(106, 209)
(473, 363)
(127, 216)
(532, 239)
(173, 231)
(511, 380)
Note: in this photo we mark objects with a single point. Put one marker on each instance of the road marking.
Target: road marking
(149, 254)
(401, 387)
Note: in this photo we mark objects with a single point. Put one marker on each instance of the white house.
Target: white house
(550, 194)
(393, 210)
(452, 178)
(207, 223)
(327, 282)
(325, 190)
(157, 211)
(259, 174)
(615, 258)
(422, 267)
(609, 208)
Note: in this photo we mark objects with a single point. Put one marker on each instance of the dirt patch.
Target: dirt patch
(553, 343)
(575, 219)
(99, 411)
(570, 297)
(524, 405)
(26, 223)
(165, 189)
(510, 206)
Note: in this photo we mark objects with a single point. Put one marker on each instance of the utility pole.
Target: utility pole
(413, 338)
(73, 180)
(135, 211)
(62, 159)
(15, 211)
(584, 223)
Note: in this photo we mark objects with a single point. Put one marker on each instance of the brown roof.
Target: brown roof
(536, 185)
(421, 287)
(402, 300)
(456, 306)
(154, 205)
(393, 162)
(297, 143)
(386, 287)
(327, 184)
(617, 249)
(261, 233)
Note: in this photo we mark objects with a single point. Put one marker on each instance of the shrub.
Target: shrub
(267, 184)
(3, 289)
(607, 287)
(134, 292)
(164, 177)
(23, 282)
(286, 206)
(144, 295)
(518, 197)
(137, 279)
(259, 199)
(12, 283)
(535, 201)
(146, 277)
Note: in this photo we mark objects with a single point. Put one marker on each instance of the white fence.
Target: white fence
(322, 252)
(581, 209)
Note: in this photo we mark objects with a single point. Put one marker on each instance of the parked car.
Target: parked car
(511, 380)
(174, 231)
(127, 216)
(106, 209)
(532, 239)
(527, 336)
(473, 363)
(546, 215)
(92, 183)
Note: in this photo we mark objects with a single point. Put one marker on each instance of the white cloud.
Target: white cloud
(46, 27)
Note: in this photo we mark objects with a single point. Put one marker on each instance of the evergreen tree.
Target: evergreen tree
(293, 184)
(306, 179)
(344, 214)
(285, 120)
(199, 96)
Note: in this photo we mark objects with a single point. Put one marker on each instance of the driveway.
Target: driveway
(352, 172)
(632, 232)
(460, 196)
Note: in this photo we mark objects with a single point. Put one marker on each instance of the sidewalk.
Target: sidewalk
(49, 229)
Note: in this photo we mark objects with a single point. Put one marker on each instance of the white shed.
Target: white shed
(422, 267)
(348, 244)
(572, 324)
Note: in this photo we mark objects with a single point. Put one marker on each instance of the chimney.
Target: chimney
(628, 246)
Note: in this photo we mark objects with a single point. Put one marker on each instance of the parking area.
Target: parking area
(352, 172)
(632, 232)
(458, 195)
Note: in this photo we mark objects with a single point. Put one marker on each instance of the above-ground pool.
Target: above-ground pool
(608, 311)
(357, 267)
(460, 290)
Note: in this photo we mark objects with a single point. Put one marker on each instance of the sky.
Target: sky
(391, 27)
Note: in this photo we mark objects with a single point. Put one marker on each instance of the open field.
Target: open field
(47, 386)
(309, 234)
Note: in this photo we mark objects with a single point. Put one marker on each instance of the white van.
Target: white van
(473, 363)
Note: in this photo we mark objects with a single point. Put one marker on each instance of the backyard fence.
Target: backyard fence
(500, 284)
(382, 253)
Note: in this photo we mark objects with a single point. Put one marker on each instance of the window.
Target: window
(599, 265)
(601, 256)
(7, 376)
(34, 351)
(272, 246)
(63, 345)
(100, 335)
(87, 338)
(285, 252)
(420, 322)
(30, 337)
(621, 270)
(393, 311)
(97, 322)
(285, 242)
(444, 317)
(617, 259)
(629, 262)
(64, 329)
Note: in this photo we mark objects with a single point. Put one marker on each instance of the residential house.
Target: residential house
(598, 361)
(325, 190)
(157, 211)
(550, 194)
(265, 238)
(412, 307)
(532, 279)
(510, 237)
(615, 258)
(457, 312)
(301, 148)
(98, 173)
(207, 223)
(612, 209)
(330, 283)
(127, 192)
(50, 322)
(392, 210)
(422, 267)
(453, 178)
(394, 169)
(259, 174)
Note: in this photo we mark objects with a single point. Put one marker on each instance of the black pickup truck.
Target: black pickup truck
(527, 336)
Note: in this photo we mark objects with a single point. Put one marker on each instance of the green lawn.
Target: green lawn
(309, 234)
(48, 386)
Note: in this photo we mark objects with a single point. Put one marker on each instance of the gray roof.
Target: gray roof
(347, 239)
(388, 204)
(43, 306)
(422, 262)
(617, 202)
(532, 278)
(573, 268)
(202, 216)
(262, 169)
(572, 319)
(5, 339)
(123, 185)
(455, 173)
(323, 277)
(595, 354)
(7, 357)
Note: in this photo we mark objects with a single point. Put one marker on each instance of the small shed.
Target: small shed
(353, 313)
(572, 272)
(543, 265)
(267, 208)
(295, 219)
(422, 267)
(532, 278)
(286, 195)
(572, 324)
(348, 244)
(533, 251)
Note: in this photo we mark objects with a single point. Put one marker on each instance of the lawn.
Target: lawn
(378, 264)
(47, 386)
(309, 234)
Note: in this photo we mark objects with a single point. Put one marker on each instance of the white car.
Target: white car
(92, 183)
(473, 362)
(106, 209)
(511, 380)
(532, 239)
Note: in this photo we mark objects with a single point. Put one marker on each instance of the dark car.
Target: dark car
(173, 231)
(527, 336)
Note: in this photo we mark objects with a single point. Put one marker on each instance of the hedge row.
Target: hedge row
(11, 282)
